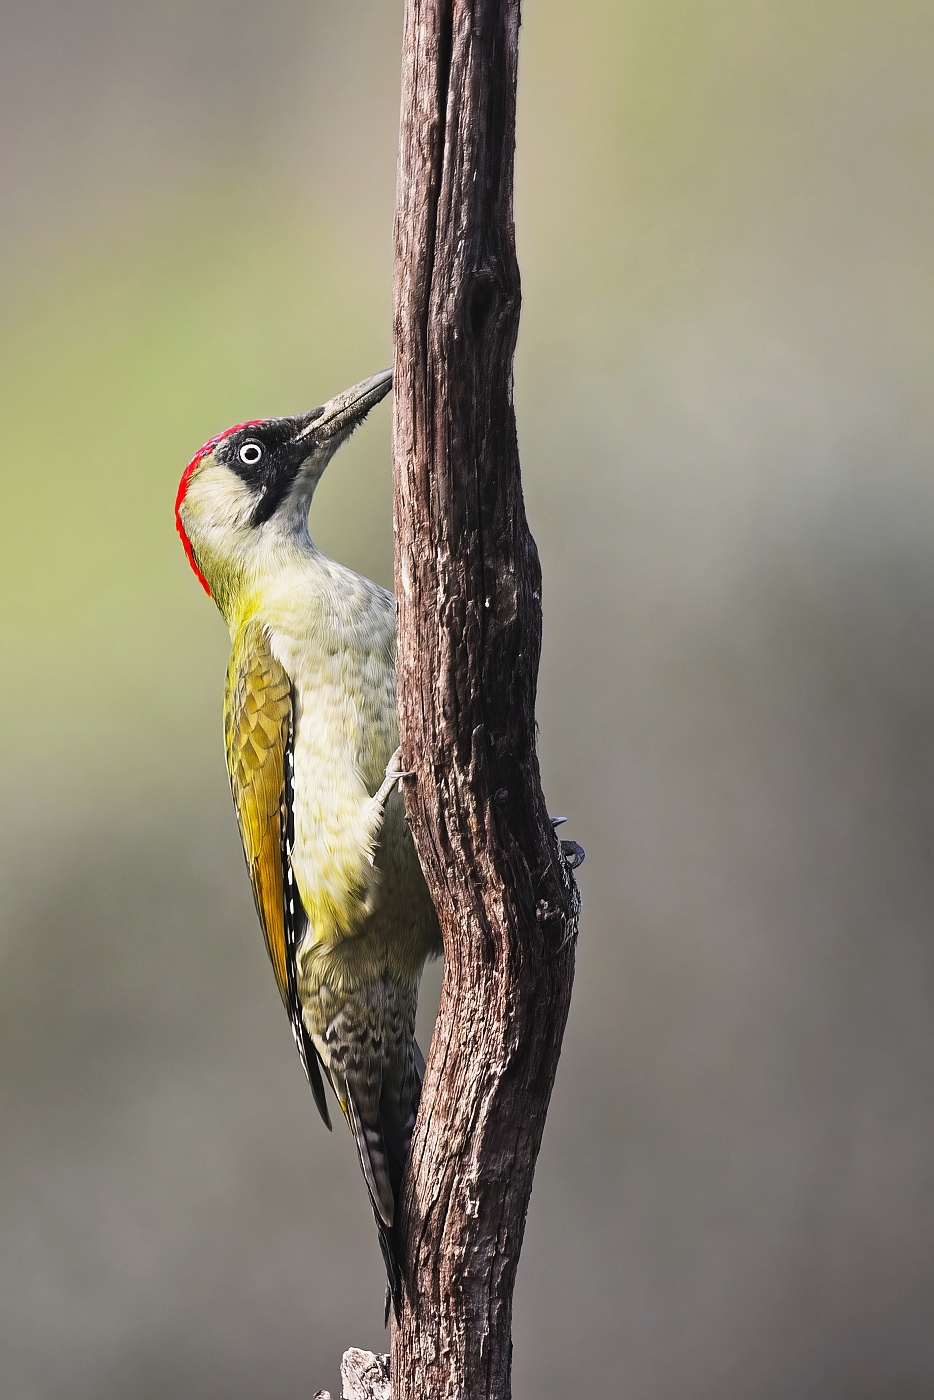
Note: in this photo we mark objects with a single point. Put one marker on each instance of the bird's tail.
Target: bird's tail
(383, 1139)
(389, 1248)
(375, 1068)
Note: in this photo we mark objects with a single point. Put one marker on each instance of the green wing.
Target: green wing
(258, 734)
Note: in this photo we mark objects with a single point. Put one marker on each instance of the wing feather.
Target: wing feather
(257, 730)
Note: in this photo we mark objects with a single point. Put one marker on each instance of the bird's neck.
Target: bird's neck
(241, 582)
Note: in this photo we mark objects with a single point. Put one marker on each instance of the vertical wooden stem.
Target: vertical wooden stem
(468, 585)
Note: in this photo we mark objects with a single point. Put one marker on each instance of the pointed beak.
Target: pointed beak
(340, 415)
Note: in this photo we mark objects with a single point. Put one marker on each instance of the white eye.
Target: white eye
(250, 453)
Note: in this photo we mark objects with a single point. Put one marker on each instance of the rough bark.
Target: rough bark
(364, 1376)
(468, 586)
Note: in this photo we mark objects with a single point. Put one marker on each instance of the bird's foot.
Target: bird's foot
(394, 777)
(572, 852)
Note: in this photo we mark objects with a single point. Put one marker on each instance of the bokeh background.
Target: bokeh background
(725, 215)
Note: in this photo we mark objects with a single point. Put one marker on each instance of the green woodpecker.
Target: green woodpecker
(310, 726)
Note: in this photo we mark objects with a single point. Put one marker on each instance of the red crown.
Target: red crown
(187, 474)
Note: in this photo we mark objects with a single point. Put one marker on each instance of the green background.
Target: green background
(723, 383)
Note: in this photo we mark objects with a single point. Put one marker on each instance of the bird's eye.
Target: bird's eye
(250, 453)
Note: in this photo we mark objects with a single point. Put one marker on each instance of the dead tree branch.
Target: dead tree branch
(468, 585)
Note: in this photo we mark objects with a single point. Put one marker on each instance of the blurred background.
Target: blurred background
(725, 217)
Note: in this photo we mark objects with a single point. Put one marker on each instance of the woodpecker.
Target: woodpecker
(314, 765)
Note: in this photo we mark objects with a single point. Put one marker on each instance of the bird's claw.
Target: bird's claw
(394, 776)
(393, 772)
(573, 854)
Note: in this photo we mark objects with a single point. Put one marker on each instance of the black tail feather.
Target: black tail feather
(389, 1248)
(397, 1140)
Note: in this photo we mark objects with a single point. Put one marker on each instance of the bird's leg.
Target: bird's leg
(394, 775)
(377, 803)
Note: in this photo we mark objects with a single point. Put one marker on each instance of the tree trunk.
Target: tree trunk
(468, 586)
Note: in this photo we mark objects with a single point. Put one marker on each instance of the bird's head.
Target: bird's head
(250, 488)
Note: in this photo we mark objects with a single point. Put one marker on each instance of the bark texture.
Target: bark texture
(364, 1375)
(468, 585)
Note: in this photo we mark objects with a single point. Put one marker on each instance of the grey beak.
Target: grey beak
(340, 415)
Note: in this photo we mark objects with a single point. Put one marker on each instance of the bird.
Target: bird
(315, 773)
